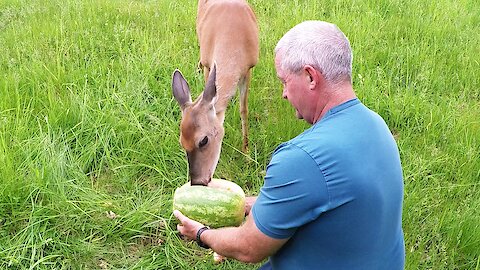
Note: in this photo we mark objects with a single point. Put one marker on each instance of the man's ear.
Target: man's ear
(315, 76)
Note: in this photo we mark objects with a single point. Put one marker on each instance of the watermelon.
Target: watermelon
(220, 204)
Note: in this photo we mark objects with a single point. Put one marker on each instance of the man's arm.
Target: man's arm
(245, 243)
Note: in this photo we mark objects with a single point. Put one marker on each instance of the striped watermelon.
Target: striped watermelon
(220, 204)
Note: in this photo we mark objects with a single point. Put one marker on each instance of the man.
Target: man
(332, 197)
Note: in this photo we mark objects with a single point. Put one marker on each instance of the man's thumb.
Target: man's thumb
(178, 215)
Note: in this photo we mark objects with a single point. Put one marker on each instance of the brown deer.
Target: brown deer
(228, 36)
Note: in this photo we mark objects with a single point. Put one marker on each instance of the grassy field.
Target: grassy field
(89, 152)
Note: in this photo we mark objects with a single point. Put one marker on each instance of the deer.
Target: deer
(227, 33)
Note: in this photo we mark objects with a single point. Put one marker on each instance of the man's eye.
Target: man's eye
(203, 142)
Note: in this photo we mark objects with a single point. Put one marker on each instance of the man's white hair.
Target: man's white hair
(319, 44)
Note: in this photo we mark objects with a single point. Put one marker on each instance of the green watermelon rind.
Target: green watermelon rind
(214, 207)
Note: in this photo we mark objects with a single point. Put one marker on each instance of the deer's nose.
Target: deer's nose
(200, 182)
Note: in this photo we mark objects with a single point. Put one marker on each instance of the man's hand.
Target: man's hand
(249, 201)
(187, 227)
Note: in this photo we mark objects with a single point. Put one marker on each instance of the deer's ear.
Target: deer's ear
(210, 91)
(180, 88)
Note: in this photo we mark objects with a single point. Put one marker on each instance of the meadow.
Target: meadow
(89, 151)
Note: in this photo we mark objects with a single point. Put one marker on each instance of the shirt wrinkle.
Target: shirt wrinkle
(320, 169)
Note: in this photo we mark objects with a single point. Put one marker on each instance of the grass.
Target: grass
(89, 152)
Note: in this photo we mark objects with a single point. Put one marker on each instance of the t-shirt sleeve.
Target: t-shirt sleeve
(294, 193)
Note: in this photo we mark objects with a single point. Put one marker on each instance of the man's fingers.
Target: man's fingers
(187, 227)
(179, 216)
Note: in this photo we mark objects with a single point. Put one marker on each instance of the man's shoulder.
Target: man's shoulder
(343, 131)
(292, 149)
(316, 137)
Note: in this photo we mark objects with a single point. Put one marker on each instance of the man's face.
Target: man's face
(295, 88)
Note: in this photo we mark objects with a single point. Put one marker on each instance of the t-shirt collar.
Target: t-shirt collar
(340, 107)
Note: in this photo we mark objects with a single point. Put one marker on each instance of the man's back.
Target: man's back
(337, 191)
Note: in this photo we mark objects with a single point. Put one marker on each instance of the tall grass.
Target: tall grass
(89, 152)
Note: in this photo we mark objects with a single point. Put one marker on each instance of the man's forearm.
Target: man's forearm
(245, 243)
(228, 242)
(231, 242)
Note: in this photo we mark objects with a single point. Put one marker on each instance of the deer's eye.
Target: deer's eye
(203, 142)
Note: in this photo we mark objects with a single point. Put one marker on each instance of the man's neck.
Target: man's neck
(333, 97)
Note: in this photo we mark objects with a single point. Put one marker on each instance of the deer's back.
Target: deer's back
(228, 34)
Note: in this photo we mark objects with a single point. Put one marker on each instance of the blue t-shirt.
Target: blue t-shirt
(336, 190)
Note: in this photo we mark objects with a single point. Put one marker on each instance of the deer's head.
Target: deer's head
(201, 131)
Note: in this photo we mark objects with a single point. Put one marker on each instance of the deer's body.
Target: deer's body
(228, 36)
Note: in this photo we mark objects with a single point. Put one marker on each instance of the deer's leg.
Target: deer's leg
(243, 86)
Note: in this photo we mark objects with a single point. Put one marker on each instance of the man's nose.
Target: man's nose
(284, 93)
